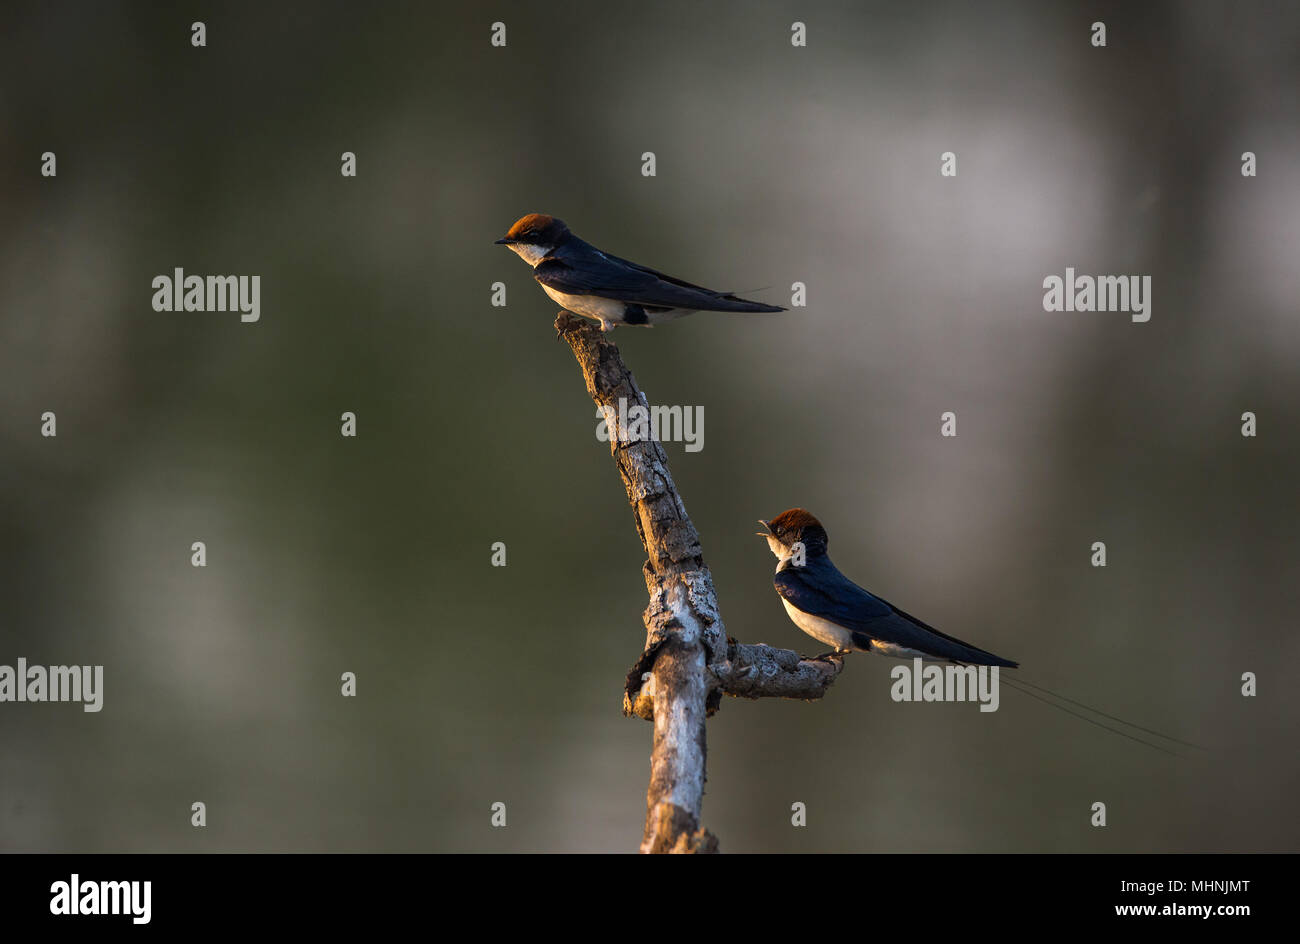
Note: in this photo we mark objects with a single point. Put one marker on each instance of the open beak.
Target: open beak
(763, 534)
(503, 241)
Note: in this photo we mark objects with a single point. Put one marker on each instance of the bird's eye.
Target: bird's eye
(531, 232)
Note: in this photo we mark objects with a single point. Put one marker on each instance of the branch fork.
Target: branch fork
(688, 661)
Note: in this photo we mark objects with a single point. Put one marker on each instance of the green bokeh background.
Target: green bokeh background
(775, 164)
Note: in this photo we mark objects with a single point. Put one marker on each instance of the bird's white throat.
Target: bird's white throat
(531, 254)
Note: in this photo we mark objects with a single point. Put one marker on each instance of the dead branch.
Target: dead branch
(688, 659)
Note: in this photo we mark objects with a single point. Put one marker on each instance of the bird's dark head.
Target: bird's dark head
(794, 527)
(535, 235)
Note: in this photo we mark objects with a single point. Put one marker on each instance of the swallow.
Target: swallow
(834, 610)
(613, 291)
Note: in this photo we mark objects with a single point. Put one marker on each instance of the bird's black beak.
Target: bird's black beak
(763, 534)
(503, 241)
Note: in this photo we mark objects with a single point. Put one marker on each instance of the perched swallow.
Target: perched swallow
(833, 609)
(611, 290)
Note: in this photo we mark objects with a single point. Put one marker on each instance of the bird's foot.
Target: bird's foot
(833, 654)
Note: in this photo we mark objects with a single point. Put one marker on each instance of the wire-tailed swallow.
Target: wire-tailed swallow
(833, 609)
(611, 290)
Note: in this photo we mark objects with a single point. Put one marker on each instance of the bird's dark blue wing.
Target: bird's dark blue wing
(821, 590)
(815, 590)
(585, 270)
(617, 282)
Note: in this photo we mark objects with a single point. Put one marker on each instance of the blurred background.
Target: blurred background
(774, 165)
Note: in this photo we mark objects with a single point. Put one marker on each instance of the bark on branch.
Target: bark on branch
(688, 661)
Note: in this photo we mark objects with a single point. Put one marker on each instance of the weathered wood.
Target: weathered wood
(687, 659)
